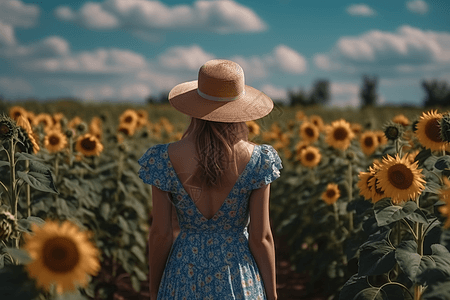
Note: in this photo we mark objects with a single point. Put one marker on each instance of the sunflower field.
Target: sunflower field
(363, 201)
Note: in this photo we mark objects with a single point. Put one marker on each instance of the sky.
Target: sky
(128, 50)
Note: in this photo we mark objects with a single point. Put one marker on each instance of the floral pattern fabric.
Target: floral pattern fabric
(211, 259)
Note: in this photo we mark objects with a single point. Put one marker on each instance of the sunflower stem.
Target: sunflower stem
(28, 190)
(12, 184)
(70, 151)
(350, 196)
(418, 228)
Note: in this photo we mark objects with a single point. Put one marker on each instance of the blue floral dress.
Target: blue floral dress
(211, 259)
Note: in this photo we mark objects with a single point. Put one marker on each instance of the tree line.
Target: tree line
(437, 94)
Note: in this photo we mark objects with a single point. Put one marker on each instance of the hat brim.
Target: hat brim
(253, 105)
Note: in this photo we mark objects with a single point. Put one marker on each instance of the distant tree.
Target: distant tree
(298, 98)
(163, 98)
(320, 92)
(437, 93)
(368, 91)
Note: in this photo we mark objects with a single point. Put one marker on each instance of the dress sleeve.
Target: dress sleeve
(267, 167)
(154, 168)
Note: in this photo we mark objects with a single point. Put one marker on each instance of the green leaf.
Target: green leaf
(438, 291)
(372, 293)
(376, 258)
(431, 187)
(393, 213)
(19, 255)
(139, 239)
(123, 224)
(422, 156)
(353, 286)
(418, 216)
(442, 162)
(139, 254)
(25, 156)
(39, 181)
(4, 163)
(140, 275)
(135, 283)
(408, 259)
(105, 208)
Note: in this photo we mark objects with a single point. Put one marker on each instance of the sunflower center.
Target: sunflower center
(60, 254)
(53, 140)
(309, 132)
(88, 144)
(432, 130)
(368, 141)
(392, 132)
(310, 156)
(124, 130)
(340, 134)
(331, 193)
(400, 176)
(128, 119)
(4, 129)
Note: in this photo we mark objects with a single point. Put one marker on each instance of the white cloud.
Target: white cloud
(408, 49)
(223, 16)
(52, 46)
(344, 94)
(133, 91)
(254, 67)
(417, 6)
(276, 93)
(162, 82)
(96, 93)
(360, 10)
(16, 13)
(191, 58)
(6, 35)
(113, 61)
(15, 87)
(288, 60)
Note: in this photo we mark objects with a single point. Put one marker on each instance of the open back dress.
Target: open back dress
(210, 258)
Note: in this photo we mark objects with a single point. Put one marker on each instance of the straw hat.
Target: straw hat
(220, 95)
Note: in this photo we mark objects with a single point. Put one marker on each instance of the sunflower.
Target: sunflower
(269, 136)
(253, 128)
(369, 142)
(381, 137)
(45, 119)
(88, 145)
(429, 131)
(300, 146)
(445, 127)
(331, 194)
(400, 179)
(55, 141)
(95, 127)
(142, 118)
(318, 121)
(393, 131)
(444, 195)
(377, 192)
(168, 127)
(291, 125)
(61, 255)
(127, 129)
(300, 115)
(74, 122)
(16, 111)
(401, 119)
(365, 189)
(310, 156)
(356, 128)
(23, 122)
(129, 117)
(309, 132)
(339, 134)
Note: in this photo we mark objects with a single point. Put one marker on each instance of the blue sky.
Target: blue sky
(126, 50)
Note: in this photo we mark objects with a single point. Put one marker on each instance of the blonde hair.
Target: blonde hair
(214, 146)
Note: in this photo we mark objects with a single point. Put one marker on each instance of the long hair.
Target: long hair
(214, 146)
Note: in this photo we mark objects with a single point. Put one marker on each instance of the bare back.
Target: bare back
(208, 200)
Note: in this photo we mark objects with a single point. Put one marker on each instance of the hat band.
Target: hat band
(214, 98)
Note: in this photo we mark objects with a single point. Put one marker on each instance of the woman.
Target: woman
(219, 185)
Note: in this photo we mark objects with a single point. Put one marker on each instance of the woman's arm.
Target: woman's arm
(261, 240)
(160, 238)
